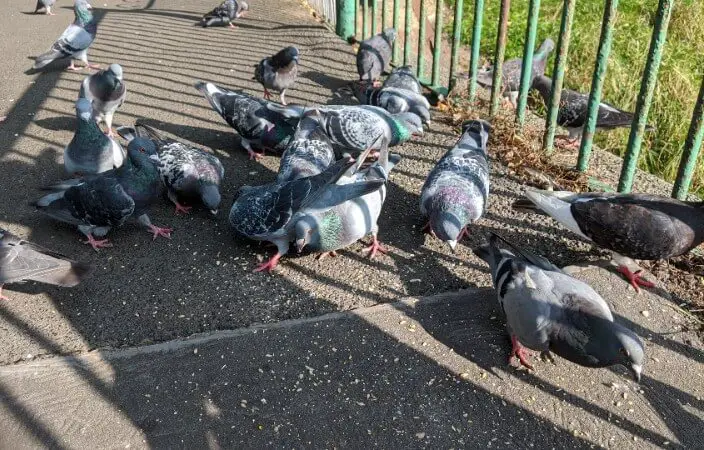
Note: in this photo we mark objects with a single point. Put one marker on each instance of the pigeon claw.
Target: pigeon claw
(97, 244)
(463, 233)
(269, 265)
(254, 155)
(635, 278)
(427, 228)
(375, 248)
(519, 352)
(159, 231)
(2, 297)
(181, 209)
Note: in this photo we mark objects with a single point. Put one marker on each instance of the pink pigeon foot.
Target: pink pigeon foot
(93, 66)
(232, 25)
(463, 233)
(2, 297)
(254, 155)
(97, 244)
(182, 209)
(269, 265)
(635, 278)
(519, 352)
(158, 231)
(326, 254)
(74, 68)
(428, 229)
(375, 247)
(267, 94)
(110, 133)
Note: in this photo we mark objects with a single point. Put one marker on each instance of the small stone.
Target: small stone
(617, 404)
(195, 351)
(464, 376)
(420, 435)
(645, 313)
(624, 395)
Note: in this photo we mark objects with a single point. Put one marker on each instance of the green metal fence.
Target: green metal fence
(415, 18)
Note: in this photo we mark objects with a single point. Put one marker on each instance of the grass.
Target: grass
(679, 79)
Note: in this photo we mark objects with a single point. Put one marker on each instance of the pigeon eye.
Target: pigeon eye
(141, 150)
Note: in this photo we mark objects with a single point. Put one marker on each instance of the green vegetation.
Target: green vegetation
(678, 81)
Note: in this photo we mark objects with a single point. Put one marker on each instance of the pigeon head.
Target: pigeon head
(446, 226)
(210, 196)
(389, 35)
(81, 11)
(84, 109)
(478, 130)
(305, 234)
(142, 152)
(412, 123)
(116, 70)
(545, 48)
(630, 350)
(243, 7)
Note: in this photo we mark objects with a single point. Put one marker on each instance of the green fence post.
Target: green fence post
(527, 65)
(692, 145)
(396, 20)
(476, 42)
(346, 18)
(365, 22)
(407, 33)
(496, 86)
(563, 44)
(374, 21)
(437, 43)
(421, 40)
(456, 38)
(602, 61)
(645, 97)
(383, 15)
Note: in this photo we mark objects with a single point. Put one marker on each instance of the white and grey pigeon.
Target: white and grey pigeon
(90, 151)
(74, 41)
(511, 72)
(573, 112)
(258, 126)
(549, 311)
(403, 78)
(225, 13)
(278, 72)
(638, 226)
(328, 230)
(22, 260)
(374, 55)
(456, 192)
(394, 100)
(46, 6)
(309, 153)
(98, 203)
(188, 172)
(270, 212)
(106, 91)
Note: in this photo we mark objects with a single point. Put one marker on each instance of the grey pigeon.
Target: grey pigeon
(309, 153)
(278, 72)
(342, 225)
(187, 172)
(98, 203)
(270, 212)
(549, 311)
(456, 192)
(394, 100)
(403, 78)
(573, 111)
(225, 13)
(46, 5)
(638, 226)
(374, 55)
(21, 260)
(106, 91)
(90, 151)
(511, 74)
(256, 124)
(74, 41)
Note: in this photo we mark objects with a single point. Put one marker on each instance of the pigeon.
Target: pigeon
(456, 192)
(573, 112)
(309, 153)
(21, 260)
(394, 100)
(98, 203)
(278, 72)
(225, 13)
(403, 78)
(46, 5)
(374, 55)
(90, 151)
(106, 92)
(511, 74)
(74, 41)
(270, 212)
(251, 117)
(187, 172)
(638, 226)
(328, 230)
(549, 311)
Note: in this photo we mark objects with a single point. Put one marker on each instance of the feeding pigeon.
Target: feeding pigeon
(106, 92)
(573, 111)
(328, 230)
(187, 172)
(90, 151)
(456, 192)
(403, 78)
(394, 100)
(225, 13)
(251, 118)
(98, 203)
(46, 5)
(269, 212)
(21, 260)
(638, 226)
(74, 41)
(374, 55)
(308, 154)
(511, 72)
(549, 311)
(278, 72)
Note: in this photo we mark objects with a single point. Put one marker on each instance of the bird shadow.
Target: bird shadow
(61, 123)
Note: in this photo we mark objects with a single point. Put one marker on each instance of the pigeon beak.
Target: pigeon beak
(300, 245)
(154, 159)
(637, 369)
(417, 134)
(452, 245)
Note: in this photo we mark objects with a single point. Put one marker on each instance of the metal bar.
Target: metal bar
(476, 41)
(346, 18)
(396, 20)
(456, 37)
(527, 65)
(356, 18)
(496, 87)
(384, 18)
(645, 97)
(602, 60)
(692, 146)
(563, 44)
(420, 66)
(374, 13)
(437, 43)
(365, 22)
(407, 34)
